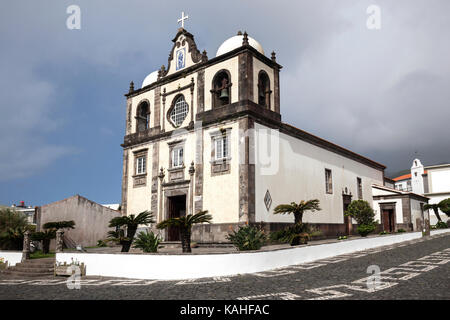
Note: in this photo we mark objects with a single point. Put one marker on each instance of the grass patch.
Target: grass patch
(39, 255)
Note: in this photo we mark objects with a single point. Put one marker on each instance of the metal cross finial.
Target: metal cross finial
(183, 17)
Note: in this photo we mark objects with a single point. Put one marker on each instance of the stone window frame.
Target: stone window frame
(328, 181)
(140, 180)
(137, 116)
(176, 171)
(172, 106)
(220, 166)
(267, 92)
(214, 100)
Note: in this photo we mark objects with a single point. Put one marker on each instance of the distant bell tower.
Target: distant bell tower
(417, 171)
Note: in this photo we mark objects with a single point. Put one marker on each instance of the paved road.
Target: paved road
(419, 269)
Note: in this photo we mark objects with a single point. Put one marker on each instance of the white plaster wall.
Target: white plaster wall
(139, 198)
(439, 180)
(11, 257)
(301, 176)
(380, 192)
(257, 67)
(221, 192)
(167, 267)
(398, 209)
(232, 65)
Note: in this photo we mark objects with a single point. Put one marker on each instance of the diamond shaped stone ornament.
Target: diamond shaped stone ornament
(267, 200)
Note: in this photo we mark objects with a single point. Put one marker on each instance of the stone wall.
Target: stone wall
(91, 219)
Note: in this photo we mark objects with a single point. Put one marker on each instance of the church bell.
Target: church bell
(224, 94)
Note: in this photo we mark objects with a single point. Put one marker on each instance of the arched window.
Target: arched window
(179, 110)
(264, 89)
(143, 116)
(221, 89)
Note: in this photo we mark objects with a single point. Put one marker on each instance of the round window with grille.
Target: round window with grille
(179, 111)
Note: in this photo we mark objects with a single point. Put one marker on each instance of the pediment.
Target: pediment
(184, 53)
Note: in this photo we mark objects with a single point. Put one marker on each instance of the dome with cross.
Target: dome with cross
(236, 42)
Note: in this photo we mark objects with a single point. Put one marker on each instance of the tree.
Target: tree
(45, 237)
(435, 208)
(12, 226)
(364, 215)
(11, 219)
(185, 224)
(130, 223)
(298, 209)
(60, 225)
(444, 205)
(147, 241)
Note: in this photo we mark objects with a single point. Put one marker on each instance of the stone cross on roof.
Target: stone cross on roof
(183, 17)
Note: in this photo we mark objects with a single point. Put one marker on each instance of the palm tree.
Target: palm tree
(131, 224)
(444, 205)
(435, 208)
(298, 209)
(185, 224)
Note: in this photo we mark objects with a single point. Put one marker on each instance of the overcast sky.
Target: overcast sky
(382, 93)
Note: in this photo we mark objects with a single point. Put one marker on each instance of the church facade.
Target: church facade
(207, 134)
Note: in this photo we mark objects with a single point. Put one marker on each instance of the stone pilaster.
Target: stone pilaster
(198, 190)
(201, 91)
(157, 108)
(59, 240)
(245, 76)
(155, 168)
(276, 89)
(125, 182)
(246, 172)
(26, 245)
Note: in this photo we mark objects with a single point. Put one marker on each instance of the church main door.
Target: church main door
(347, 199)
(176, 208)
(388, 220)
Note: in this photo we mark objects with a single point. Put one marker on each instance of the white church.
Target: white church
(207, 134)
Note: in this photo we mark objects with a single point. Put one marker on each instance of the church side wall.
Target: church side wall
(301, 176)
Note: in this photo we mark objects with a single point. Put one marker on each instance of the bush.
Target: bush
(301, 238)
(247, 238)
(383, 233)
(365, 229)
(288, 234)
(401, 230)
(147, 241)
(441, 225)
(361, 211)
(101, 243)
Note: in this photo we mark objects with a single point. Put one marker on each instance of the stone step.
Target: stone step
(33, 269)
(35, 265)
(14, 273)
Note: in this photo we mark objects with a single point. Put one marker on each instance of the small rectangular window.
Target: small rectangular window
(177, 157)
(359, 185)
(222, 147)
(328, 181)
(140, 165)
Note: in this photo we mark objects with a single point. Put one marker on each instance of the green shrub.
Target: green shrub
(301, 238)
(342, 237)
(288, 234)
(247, 238)
(365, 229)
(441, 225)
(401, 230)
(383, 233)
(147, 241)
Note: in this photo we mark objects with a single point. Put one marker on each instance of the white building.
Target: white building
(207, 134)
(28, 211)
(430, 181)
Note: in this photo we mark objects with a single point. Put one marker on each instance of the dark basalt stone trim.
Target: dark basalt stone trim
(124, 182)
(154, 177)
(157, 107)
(192, 69)
(402, 196)
(176, 183)
(201, 90)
